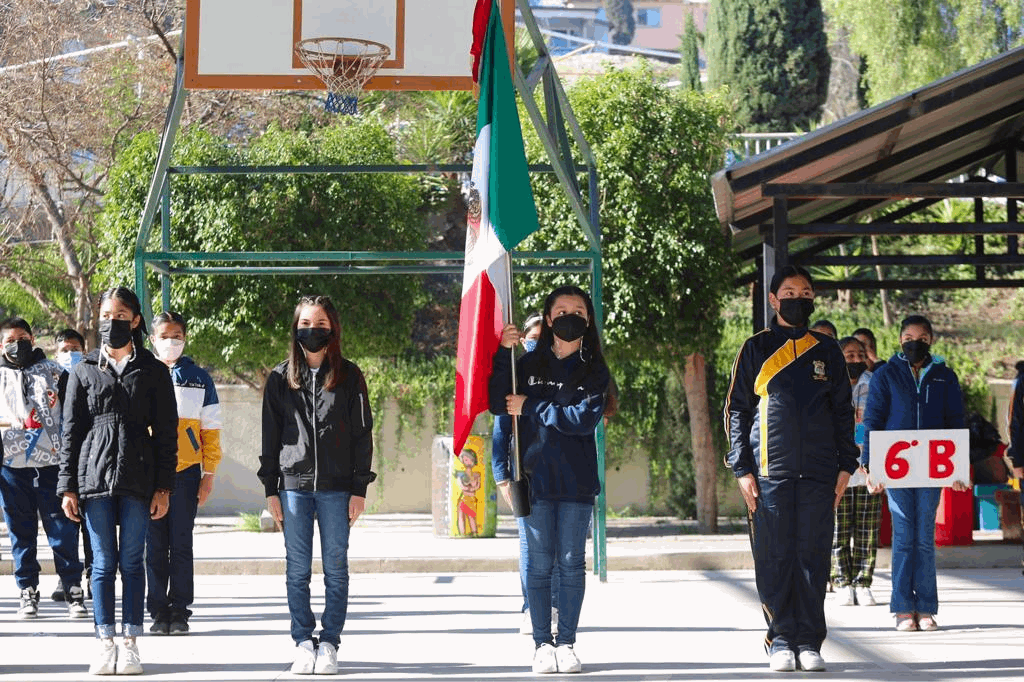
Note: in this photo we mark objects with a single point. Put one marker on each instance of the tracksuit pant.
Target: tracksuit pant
(791, 540)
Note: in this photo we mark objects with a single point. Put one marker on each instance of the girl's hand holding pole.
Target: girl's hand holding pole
(510, 336)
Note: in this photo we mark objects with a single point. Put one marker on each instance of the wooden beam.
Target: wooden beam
(893, 190)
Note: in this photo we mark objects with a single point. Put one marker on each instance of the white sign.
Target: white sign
(920, 459)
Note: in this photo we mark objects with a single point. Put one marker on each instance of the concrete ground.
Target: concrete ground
(433, 609)
(640, 625)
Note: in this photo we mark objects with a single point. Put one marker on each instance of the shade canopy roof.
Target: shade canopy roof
(960, 125)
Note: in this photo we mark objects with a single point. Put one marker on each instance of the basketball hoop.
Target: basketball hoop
(344, 65)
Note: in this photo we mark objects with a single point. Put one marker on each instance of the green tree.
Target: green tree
(241, 322)
(773, 56)
(690, 56)
(908, 43)
(667, 264)
(621, 22)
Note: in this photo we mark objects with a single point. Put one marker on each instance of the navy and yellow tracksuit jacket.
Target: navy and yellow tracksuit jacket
(789, 412)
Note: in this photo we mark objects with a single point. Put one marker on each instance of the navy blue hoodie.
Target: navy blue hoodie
(556, 429)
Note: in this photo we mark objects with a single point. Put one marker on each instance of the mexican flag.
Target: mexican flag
(501, 214)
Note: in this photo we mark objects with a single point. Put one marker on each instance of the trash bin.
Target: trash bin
(464, 499)
(954, 521)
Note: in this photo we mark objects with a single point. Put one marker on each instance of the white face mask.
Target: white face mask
(69, 358)
(169, 350)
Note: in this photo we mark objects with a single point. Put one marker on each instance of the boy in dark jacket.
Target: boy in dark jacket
(789, 417)
(31, 390)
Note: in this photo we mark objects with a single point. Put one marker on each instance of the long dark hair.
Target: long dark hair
(297, 359)
(590, 350)
(128, 298)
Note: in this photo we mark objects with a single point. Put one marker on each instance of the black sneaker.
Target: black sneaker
(58, 593)
(179, 626)
(160, 627)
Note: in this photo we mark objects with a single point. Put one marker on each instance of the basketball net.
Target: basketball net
(344, 65)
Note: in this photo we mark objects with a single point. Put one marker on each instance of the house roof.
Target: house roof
(957, 125)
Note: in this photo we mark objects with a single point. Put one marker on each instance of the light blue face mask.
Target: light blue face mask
(529, 345)
(69, 359)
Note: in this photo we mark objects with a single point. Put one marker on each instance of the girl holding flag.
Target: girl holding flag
(563, 384)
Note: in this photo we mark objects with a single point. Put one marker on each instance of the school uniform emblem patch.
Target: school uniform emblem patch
(819, 370)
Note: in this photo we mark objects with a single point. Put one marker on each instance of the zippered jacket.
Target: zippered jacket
(899, 402)
(315, 439)
(789, 408)
(30, 412)
(120, 432)
(556, 429)
(1015, 420)
(199, 420)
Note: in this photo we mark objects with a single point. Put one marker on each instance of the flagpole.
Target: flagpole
(519, 489)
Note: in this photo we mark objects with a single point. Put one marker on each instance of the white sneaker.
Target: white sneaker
(106, 660)
(29, 605)
(544, 660)
(326, 660)
(865, 598)
(305, 658)
(782, 661)
(526, 627)
(811, 660)
(128, 661)
(568, 661)
(846, 596)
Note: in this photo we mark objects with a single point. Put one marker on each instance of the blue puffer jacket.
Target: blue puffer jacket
(897, 401)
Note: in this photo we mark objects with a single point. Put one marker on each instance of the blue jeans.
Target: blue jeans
(556, 534)
(331, 511)
(524, 560)
(112, 551)
(26, 495)
(169, 579)
(914, 588)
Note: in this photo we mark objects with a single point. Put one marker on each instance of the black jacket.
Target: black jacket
(339, 456)
(120, 432)
(556, 429)
(1015, 420)
(789, 410)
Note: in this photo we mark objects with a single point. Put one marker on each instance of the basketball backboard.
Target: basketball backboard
(249, 44)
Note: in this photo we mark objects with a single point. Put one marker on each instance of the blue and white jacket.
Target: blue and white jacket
(30, 412)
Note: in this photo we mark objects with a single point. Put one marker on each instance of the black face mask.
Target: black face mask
(19, 352)
(569, 327)
(916, 351)
(116, 333)
(313, 339)
(856, 369)
(796, 311)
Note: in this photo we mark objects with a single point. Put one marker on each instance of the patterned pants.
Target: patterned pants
(855, 542)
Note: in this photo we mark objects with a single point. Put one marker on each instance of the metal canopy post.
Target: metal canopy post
(775, 254)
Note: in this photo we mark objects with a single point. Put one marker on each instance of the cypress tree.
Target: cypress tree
(773, 56)
(621, 22)
(690, 56)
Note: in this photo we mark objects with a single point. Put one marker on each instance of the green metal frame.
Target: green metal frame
(558, 132)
